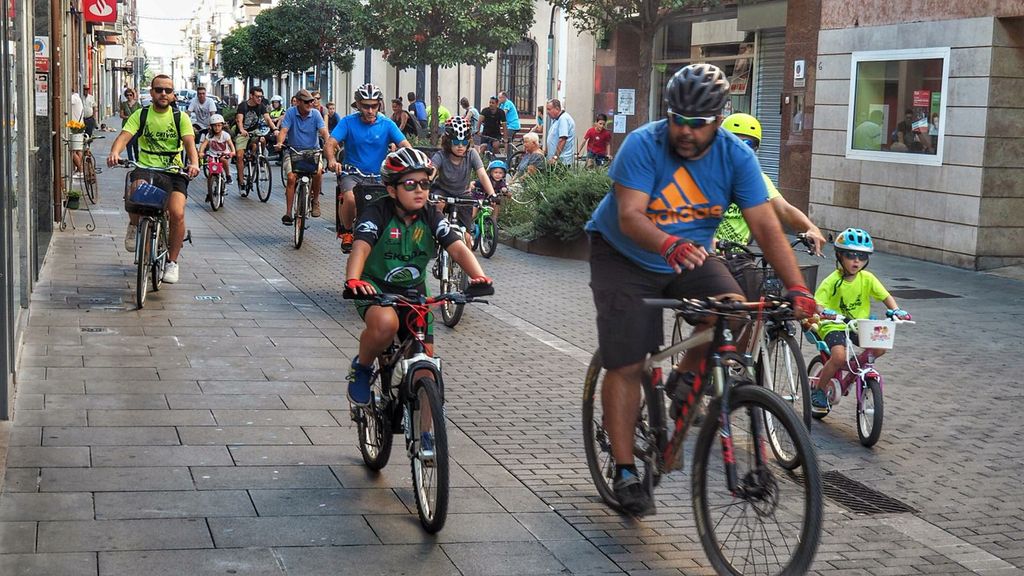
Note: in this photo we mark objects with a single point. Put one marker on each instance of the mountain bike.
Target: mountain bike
(859, 373)
(257, 167)
(305, 164)
(485, 229)
(754, 514)
(216, 179)
(151, 233)
(451, 276)
(407, 397)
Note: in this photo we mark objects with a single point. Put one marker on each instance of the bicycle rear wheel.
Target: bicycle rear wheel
(429, 454)
(373, 422)
(869, 413)
(89, 175)
(489, 237)
(249, 170)
(299, 214)
(453, 279)
(649, 434)
(264, 180)
(771, 522)
(143, 248)
(813, 369)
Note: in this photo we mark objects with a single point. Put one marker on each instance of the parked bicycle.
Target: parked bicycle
(216, 178)
(305, 164)
(860, 373)
(257, 168)
(754, 514)
(451, 276)
(151, 243)
(89, 169)
(407, 397)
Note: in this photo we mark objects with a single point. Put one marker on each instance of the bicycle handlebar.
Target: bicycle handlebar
(413, 298)
(349, 170)
(436, 198)
(721, 307)
(168, 170)
(732, 249)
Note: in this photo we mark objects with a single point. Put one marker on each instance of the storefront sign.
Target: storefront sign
(922, 98)
(41, 47)
(627, 101)
(99, 10)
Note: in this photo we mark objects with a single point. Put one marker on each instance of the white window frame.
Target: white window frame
(899, 157)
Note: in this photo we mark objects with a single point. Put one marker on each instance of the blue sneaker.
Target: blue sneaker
(359, 383)
(819, 401)
(427, 442)
(476, 230)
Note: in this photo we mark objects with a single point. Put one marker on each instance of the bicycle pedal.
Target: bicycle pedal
(188, 236)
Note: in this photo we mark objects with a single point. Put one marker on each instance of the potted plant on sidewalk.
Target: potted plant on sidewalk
(74, 199)
(77, 140)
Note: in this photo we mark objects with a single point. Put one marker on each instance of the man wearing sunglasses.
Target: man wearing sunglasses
(367, 135)
(247, 119)
(650, 237)
(302, 127)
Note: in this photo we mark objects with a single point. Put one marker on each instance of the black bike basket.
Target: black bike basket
(366, 193)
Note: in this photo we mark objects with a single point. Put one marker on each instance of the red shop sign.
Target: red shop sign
(922, 98)
(100, 10)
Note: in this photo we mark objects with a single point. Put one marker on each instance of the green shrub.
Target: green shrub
(564, 200)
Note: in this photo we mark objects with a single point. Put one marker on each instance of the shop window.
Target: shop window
(517, 72)
(736, 59)
(897, 105)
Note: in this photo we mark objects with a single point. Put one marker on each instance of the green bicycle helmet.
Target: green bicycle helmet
(855, 240)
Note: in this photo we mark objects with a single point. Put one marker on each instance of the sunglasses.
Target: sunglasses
(307, 101)
(411, 185)
(463, 142)
(163, 90)
(691, 121)
(369, 106)
(854, 255)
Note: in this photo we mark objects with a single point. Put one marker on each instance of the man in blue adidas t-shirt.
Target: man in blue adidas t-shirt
(650, 238)
(367, 135)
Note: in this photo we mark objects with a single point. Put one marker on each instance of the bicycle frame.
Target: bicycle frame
(858, 366)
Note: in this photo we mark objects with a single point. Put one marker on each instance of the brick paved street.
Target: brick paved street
(211, 436)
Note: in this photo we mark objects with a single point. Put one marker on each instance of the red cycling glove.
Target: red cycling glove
(675, 250)
(355, 284)
(801, 299)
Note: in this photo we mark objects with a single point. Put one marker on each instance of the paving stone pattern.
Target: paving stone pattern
(211, 437)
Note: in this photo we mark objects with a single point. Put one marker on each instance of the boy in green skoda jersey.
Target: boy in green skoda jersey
(395, 239)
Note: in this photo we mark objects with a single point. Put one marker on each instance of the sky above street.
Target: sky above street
(160, 24)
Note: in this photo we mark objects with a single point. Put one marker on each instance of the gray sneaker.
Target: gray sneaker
(632, 496)
(129, 238)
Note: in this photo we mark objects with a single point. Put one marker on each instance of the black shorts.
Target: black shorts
(838, 338)
(627, 330)
(168, 182)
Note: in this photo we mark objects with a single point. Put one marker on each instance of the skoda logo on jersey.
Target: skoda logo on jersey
(403, 275)
(681, 201)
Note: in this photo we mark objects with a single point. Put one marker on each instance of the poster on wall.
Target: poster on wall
(922, 98)
(627, 101)
(41, 49)
(619, 124)
(740, 79)
(42, 89)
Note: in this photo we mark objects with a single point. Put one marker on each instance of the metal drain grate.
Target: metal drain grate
(108, 300)
(857, 497)
(921, 294)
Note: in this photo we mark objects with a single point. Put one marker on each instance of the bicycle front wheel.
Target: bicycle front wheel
(215, 190)
(597, 443)
(869, 413)
(89, 175)
(453, 279)
(249, 170)
(264, 181)
(429, 454)
(299, 214)
(770, 522)
(489, 237)
(143, 252)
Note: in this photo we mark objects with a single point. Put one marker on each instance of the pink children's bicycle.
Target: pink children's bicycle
(217, 180)
(859, 370)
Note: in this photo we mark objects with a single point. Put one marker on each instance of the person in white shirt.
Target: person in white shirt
(200, 109)
(89, 111)
(77, 112)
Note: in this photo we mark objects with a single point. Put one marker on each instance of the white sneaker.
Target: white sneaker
(129, 238)
(171, 272)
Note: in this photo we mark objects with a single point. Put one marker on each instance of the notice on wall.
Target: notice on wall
(42, 83)
(627, 101)
(41, 50)
(619, 124)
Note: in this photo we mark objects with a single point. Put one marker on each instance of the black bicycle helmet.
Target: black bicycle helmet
(457, 128)
(403, 161)
(697, 90)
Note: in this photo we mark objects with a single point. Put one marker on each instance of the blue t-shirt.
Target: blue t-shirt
(511, 115)
(565, 127)
(688, 197)
(303, 133)
(366, 145)
(421, 110)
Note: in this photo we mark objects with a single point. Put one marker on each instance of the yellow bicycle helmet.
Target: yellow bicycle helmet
(742, 124)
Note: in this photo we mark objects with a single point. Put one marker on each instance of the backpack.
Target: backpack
(177, 127)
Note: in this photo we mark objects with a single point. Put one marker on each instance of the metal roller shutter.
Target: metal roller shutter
(771, 61)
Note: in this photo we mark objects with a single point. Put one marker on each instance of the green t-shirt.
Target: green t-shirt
(159, 144)
(851, 298)
(733, 227)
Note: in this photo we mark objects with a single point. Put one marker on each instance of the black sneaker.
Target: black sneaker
(632, 496)
(287, 220)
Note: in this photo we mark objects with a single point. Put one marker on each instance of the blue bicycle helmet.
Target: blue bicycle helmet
(497, 164)
(855, 240)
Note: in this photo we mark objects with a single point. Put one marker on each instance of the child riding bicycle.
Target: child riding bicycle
(496, 171)
(847, 291)
(219, 144)
(395, 238)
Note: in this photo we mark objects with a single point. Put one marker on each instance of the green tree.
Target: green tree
(443, 33)
(642, 17)
(297, 35)
(238, 58)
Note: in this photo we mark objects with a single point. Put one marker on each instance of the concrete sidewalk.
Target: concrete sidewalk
(209, 434)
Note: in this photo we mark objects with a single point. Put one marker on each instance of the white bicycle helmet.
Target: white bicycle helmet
(403, 161)
(216, 119)
(457, 128)
(368, 92)
(277, 98)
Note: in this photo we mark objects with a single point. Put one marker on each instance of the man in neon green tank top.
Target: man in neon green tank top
(733, 227)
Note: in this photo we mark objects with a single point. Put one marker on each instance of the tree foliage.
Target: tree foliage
(238, 58)
(297, 35)
(443, 33)
(642, 17)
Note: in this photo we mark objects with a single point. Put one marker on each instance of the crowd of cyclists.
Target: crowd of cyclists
(679, 183)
